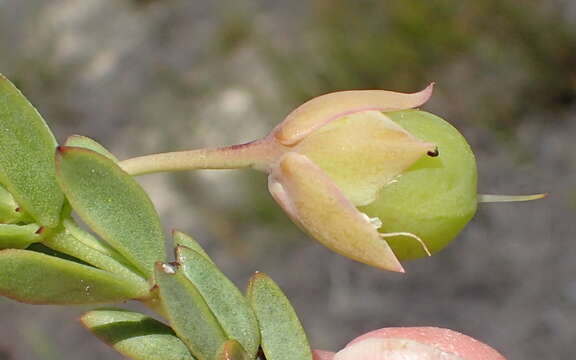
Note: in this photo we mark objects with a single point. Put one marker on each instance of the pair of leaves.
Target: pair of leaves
(142, 338)
(280, 332)
(107, 199)
(203, 307)
(208, 314)
(87, 248)
(118, 210)
(210, 317)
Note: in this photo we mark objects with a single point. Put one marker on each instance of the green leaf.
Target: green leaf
(283, 337)
(36, 278)
(18, 236)
(90, 144)
(232, 350)
(8, 207)
(227, 303)
(135, 335)
(66, 242)
(188, 313)
(113, 204)
(43, 249)
(181, 239)
(88, 239)
(27, 157)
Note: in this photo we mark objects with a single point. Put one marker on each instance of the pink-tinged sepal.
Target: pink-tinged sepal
(323, 109)
(363, 152)
(318, 206)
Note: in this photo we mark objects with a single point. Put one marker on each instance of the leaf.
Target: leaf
(181, 239)
(90, 144)
(232, 350)
(227, 303)
(113, 204)
(18, 236)
(27, 157)
(66, 242)
(188, 313)
(8, 208)
(283, 337)
(36, 278)
(135, 335)
(39, 247)
(87, 238)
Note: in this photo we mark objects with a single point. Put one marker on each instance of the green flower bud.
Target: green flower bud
(338, 151)
(361, 172)
(433, 199)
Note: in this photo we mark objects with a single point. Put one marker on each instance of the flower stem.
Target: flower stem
(257, 154)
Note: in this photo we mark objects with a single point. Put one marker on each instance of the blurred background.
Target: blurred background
(145, 76)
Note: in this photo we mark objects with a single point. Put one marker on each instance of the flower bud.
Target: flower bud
(434, 198)
(360, 171)
(413, 343)
(337, 152)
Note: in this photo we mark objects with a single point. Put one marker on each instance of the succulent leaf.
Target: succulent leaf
(68, 242)
(283, 337)
(226, 302)
(182, 239)
(188, 313)
(18, 236)
(36, 278)
(90, 144)
(113, 204)
(10, 212)
(136, 335)
(27, 157)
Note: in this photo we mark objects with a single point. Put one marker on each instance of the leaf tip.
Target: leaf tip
(167, 268)
(426, 93)
(61, 149)
(255, 277)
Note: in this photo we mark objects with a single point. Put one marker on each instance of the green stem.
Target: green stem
(257, 155)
